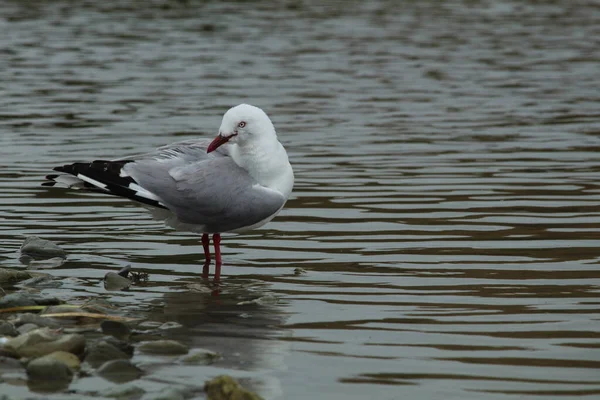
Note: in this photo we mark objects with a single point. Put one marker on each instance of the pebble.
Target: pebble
(68, 359)
(200, 357)
(102, 352)
(26, 299)
(26, 328)
(42, 341)
(163, 347)
(49, 369)
(36, 247)
(170, 393)
(114, 281)
(37, 320)
(119, 371)
(115, 328)
(7, 329)
(125, 391)
(12, 275)
(224, 387)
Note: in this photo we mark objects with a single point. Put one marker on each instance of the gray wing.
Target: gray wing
(205, 189)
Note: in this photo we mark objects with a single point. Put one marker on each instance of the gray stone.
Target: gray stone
(42, 341)
(68, 359)
(13, 275)
(125, 391)
(7, 329)
(169, 393)
(114, 281)
(26, 328)
(8, 364)
(23, 299)
(119, 371)
(36, 247)
(200, 357)
(163, 347)
(37, 320)
(122, 345)
(115, 328)
(45, 368)
(102, 352)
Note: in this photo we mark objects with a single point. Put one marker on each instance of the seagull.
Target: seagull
(239, 181)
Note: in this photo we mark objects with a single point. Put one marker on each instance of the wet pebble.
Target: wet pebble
(163, 347)
(12, 275)
(7, 329)
(49, 369)
(299, 271)
(115, 328)
(42, 341)
(119, 371)
(125, 391)
(114, 281)
(170, 393)
(26, 299)
(68, 359)
(200, 357)
(225, 387)
(102, 351)
(37, 320)
(26, 328)
(42, 248)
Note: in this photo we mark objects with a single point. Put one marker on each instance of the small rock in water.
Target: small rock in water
(225, 387)
(40, 248)
(49, 369)
(68, 359)
(26, 328)
(102, 352)
(122, 345)
(200, 357)
(299, 271)
(41, 281)
(115, 328)
(125, 391)
(163, 347)
(17, 300)
(119, 371)
(37, 320)
(171, 393)
(7, 329)
(42, 341)
(12, 275)
(114, 281)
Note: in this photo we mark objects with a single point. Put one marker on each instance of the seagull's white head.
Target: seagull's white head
(243, 124)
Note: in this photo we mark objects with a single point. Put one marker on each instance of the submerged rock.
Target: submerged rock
(171, 393)
(115, 328)
(37, 320)
(23, 299)
(102, 352)
(225, 387)
(40, 342)
(41, 248)
(114, 281)
(68, 359)
(200, 357)
(7, 329)
(163, 347)
(125, 391)
(49, 369)
(12, 275)
(119, 371)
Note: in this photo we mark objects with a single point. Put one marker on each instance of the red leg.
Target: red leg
(217, 244)
(206, 246)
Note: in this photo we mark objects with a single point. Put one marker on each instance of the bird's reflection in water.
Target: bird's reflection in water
(237, 317)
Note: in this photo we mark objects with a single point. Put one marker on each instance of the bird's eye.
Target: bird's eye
(241, 124)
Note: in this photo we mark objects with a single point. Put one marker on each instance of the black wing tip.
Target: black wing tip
(50, 184)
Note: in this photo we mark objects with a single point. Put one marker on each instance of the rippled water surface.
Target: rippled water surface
(446, 207)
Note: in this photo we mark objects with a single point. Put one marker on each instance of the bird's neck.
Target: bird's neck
(267, 162)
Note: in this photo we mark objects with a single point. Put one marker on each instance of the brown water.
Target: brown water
(446, 207)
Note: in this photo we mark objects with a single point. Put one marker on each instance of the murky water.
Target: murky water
(446, 207)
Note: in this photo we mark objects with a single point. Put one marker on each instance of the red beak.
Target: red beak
(218, 141)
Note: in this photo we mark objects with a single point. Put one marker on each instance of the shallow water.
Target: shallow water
(446, 207)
